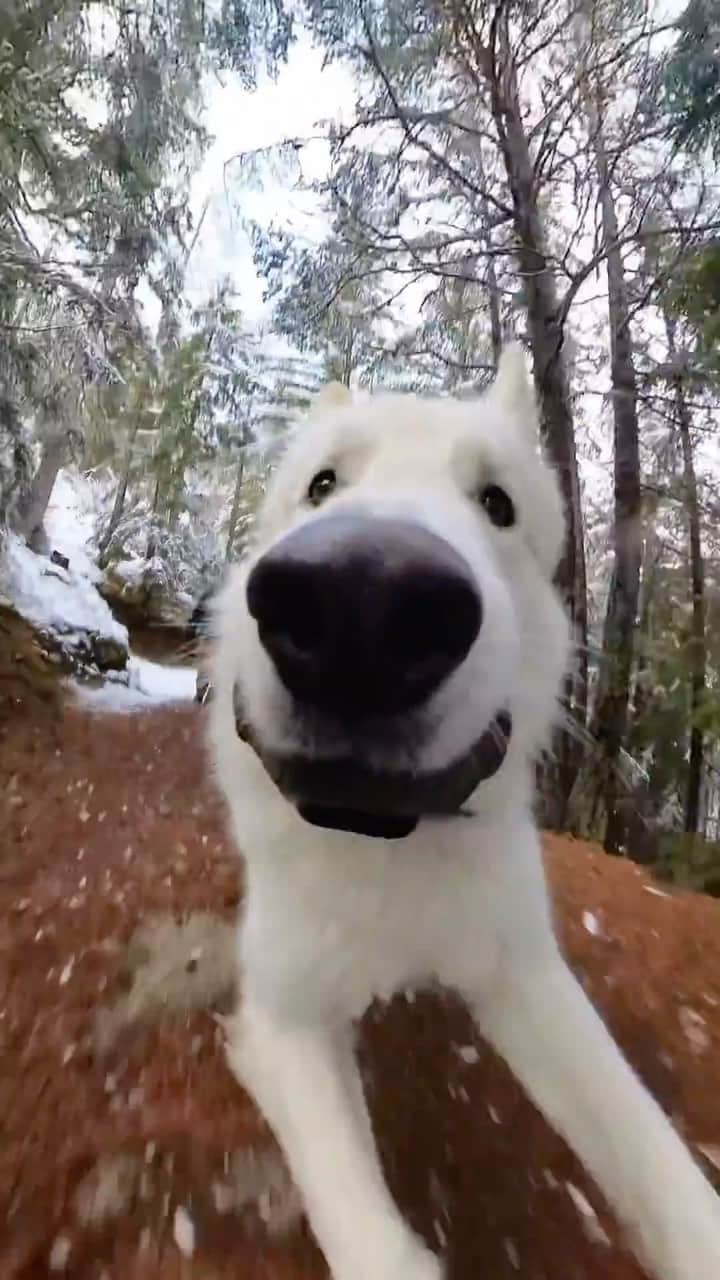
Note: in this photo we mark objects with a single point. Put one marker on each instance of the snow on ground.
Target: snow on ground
(71, 521)
(65, 602)
(149, 683)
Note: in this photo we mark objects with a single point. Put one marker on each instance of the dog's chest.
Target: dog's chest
(328, 937)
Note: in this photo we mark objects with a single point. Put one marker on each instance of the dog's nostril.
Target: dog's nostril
(282, 600)
(434, 619)
(413, 632)
(299, 629)
(462, 609)
(292, 602)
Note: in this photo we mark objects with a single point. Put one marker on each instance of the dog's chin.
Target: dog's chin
(345, 793)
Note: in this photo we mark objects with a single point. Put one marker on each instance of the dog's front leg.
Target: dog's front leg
(558, 1048)
(305, 1081)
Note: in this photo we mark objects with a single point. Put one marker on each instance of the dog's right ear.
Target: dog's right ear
(513, 389)
(332, 396)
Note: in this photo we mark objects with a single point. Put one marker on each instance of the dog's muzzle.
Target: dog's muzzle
(348, 795)
(364, 618)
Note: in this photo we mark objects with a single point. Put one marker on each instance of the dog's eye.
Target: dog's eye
(321, 486)
(499, 506)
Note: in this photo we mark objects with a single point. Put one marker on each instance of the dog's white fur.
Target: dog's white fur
(332, 919)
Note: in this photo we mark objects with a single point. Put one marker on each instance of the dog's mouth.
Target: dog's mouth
(347, 794)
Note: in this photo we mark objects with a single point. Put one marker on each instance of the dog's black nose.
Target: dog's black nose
(364, 616)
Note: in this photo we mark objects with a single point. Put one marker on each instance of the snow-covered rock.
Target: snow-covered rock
(143, 593)
(65, 607)
(63, 603)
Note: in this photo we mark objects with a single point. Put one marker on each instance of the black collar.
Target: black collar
(344, 794)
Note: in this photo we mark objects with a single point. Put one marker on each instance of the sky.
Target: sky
(304, 93)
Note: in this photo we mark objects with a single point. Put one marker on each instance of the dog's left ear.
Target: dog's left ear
(513, 391)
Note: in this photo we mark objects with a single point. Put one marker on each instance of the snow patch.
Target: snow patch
(592, 924)
(59, 1254)
(184, 1232)
(107, 1190)
(592, 1226)
(440, 1235)
(693, 1024)
(259, 1179)
(148, 684)
(71, 521)
(511, 1250)
(131, 572)
(467, 1053)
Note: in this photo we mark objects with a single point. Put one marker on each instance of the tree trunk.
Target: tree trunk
(611, 707)
(151, 545)
(175, 488)
(698, 653)
(545, 330)
(348, 359)
(640, 695)
(31, 512)
(15, 464)
(643, 821)
(491, 282)
(120, 496)
(496, 335)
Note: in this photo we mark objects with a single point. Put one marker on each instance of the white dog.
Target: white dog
(387, 669)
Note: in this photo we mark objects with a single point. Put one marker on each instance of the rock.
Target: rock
(108, 654)
(84, 653)
(140, 601)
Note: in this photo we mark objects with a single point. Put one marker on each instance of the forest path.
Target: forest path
(128, 1152)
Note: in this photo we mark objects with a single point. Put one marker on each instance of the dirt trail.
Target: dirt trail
(127, 1152)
